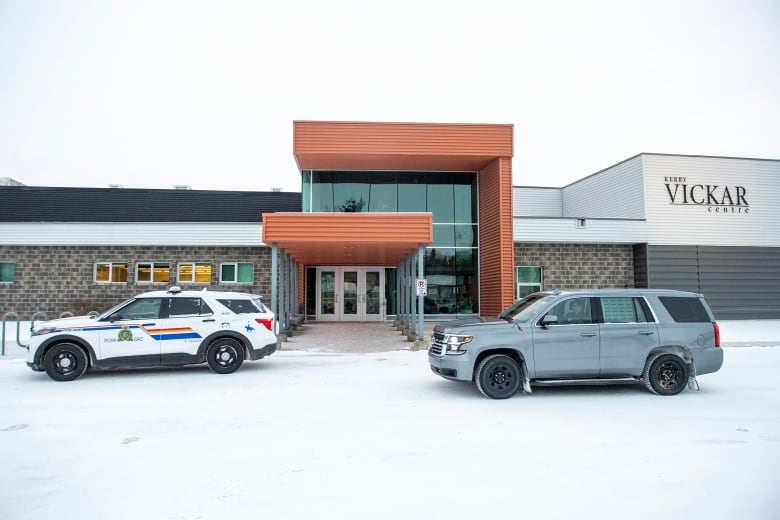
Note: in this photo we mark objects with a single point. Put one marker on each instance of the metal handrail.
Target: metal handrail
(18, 325)
(37, 315)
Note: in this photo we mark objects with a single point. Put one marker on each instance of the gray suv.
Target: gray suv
(660, 338)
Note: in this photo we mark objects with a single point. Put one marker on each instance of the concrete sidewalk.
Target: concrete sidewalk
(350, 337)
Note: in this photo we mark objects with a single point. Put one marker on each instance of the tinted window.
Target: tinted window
(188, 307)
(685, 310)
(623, 310)
(243, 306)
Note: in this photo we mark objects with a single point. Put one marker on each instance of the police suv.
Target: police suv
(161, 328)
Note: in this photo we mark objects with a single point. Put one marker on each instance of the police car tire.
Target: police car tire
(225, 355)
(65, 362)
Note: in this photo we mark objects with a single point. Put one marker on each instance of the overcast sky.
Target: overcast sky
(158, 93)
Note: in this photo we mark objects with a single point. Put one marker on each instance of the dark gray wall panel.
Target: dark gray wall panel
(738, 282)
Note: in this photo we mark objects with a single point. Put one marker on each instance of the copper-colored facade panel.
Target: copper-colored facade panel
(495, 237)
(348, 238)
(406, 146)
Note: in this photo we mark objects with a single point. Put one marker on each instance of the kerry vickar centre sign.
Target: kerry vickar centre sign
(716, 198)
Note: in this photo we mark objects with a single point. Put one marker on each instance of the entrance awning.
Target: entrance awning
(348, 238)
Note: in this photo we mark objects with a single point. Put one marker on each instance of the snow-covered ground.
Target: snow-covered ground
(312, 435)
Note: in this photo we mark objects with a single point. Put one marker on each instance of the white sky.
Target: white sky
(156, 93)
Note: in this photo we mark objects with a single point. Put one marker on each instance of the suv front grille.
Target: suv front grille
(437, 345)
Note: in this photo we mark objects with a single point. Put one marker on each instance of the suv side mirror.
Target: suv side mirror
(549, 319)
(114, 317)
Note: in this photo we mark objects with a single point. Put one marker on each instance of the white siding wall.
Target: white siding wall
(596, 231)
(700, 224)
(617, 192)
(118, 234)
(536, 202)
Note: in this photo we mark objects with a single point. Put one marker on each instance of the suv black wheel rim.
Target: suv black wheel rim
(501, 377)
(669, 375)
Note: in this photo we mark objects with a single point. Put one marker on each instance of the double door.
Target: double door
(350, 293)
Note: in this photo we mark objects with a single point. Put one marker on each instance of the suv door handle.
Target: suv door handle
(587, 334)
(646, 332)
(148, 324)
(209, 321)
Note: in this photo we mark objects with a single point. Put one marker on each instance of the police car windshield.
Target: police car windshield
(526, 308)
(113, 309)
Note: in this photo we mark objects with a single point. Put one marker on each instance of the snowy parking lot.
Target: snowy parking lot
(307, 434)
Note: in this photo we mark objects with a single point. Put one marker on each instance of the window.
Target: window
(528, 280)
(181, 307)
(244, 306)
(141, 309)
(195, 272)
(685, 310)
(111, 272)
(152, 272)
(6, 272)
(575, 311)
(624, 310)
(237, 273)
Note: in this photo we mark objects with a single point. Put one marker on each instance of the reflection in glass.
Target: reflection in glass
(327, 292)
(372, 292)
(350, 292)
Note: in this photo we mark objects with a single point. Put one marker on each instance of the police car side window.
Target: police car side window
(184, 307)
(142, 309)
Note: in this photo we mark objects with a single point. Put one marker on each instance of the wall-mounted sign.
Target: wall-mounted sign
(716, 198)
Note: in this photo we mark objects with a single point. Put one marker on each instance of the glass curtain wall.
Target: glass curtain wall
(451, 261)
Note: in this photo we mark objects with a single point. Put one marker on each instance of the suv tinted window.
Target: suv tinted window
(685, 310)
(624, 310)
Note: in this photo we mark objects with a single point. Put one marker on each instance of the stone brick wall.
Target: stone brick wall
(56, 279)
(579, 266)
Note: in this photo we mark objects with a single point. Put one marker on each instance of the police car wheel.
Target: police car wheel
(65, 362)
(225, 355)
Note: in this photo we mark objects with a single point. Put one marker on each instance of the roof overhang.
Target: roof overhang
(339, 145)
(348, 238)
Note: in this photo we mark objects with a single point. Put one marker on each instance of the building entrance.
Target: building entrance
(350, 293)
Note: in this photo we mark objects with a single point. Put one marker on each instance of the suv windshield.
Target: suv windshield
(527, 308)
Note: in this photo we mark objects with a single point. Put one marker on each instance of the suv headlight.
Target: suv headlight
(453, 344)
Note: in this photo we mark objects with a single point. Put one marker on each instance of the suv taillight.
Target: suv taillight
(717, 333)
(268, 323)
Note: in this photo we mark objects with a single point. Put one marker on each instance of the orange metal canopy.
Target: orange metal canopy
(348, 238)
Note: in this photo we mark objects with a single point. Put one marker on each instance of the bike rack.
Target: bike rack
(18, 325)
(38, 315)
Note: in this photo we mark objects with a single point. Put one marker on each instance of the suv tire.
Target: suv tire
(225, 355)
(666, 374)
(65, 362)
(498, 376)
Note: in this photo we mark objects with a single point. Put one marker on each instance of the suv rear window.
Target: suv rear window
(244, 306)
(685, 310)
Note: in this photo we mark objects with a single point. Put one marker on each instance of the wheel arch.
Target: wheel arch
(677, 350)
(214, 336)
(57, 340)
(507, 351)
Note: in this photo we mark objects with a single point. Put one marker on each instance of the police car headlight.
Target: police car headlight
(42, 331)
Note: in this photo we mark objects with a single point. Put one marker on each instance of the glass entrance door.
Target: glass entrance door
(350, 293)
